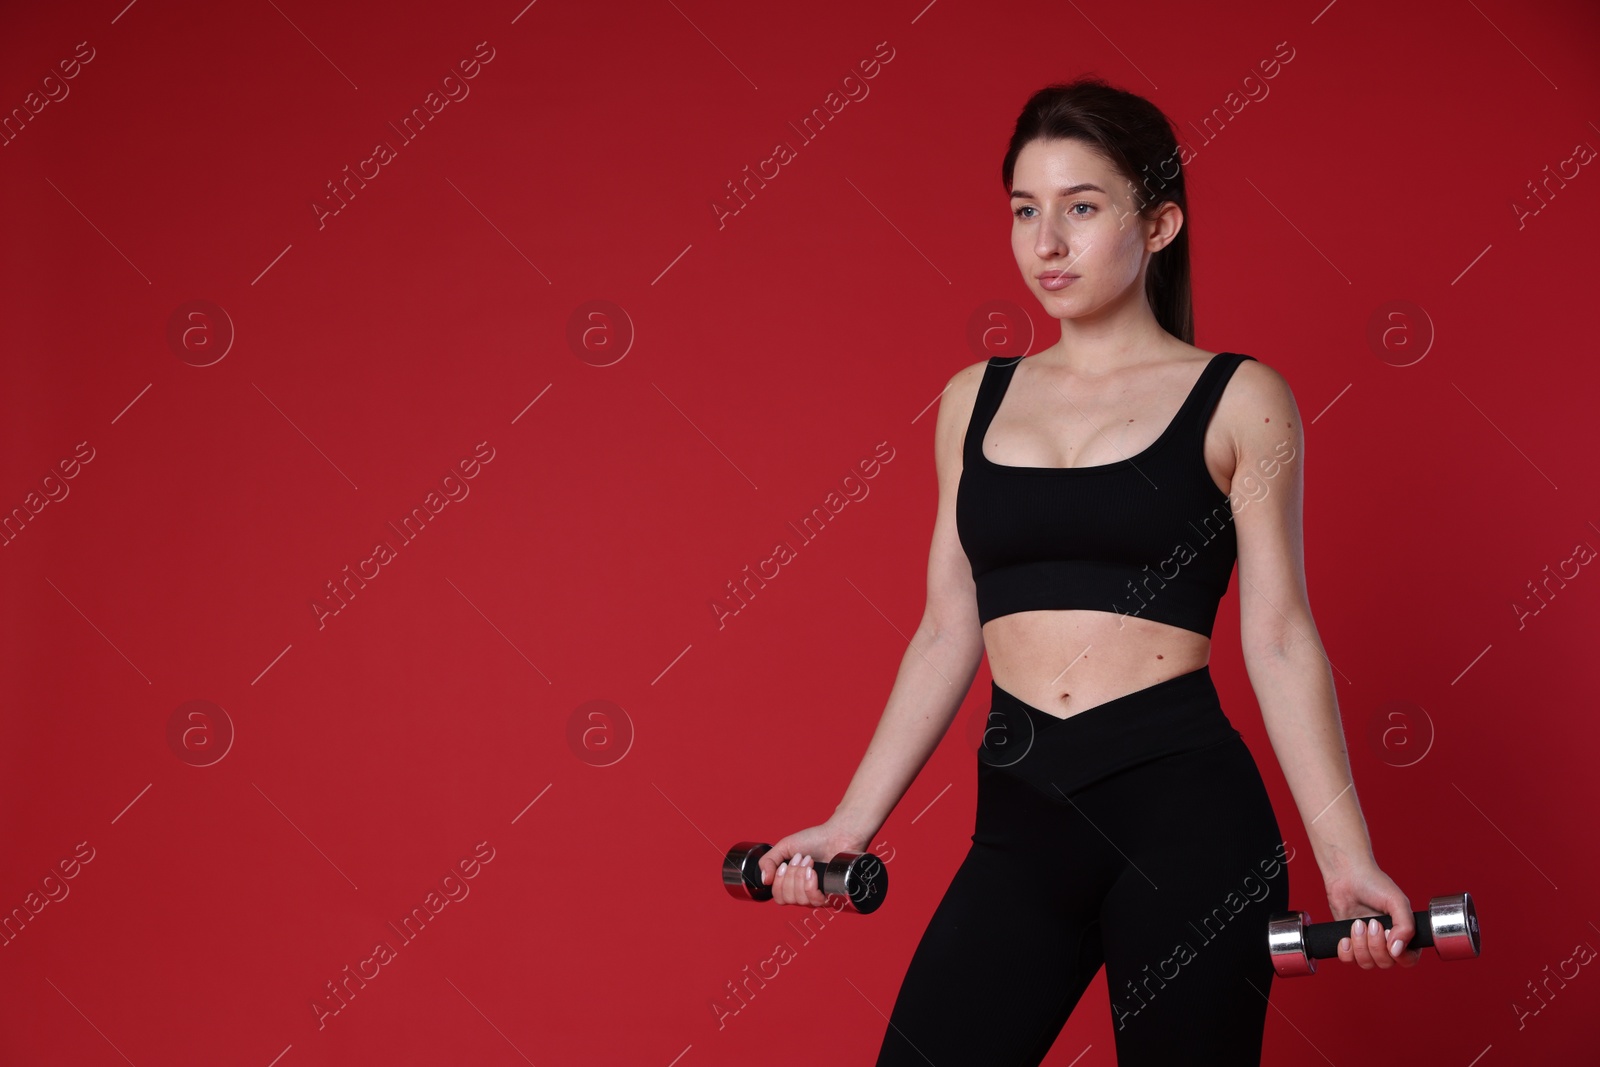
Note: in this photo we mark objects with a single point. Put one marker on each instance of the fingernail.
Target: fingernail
(810, 875)
(1374, 927)
(1395, 948)
(1344, 944)
(781, 868)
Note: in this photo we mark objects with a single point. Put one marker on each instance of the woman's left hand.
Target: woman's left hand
(1366, 890)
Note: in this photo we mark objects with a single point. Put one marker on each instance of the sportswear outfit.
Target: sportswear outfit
(1136, 835)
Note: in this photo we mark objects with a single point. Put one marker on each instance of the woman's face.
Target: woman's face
(1074, 213)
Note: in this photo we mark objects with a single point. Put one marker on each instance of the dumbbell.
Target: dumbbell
(1450, 925)
(860, 877)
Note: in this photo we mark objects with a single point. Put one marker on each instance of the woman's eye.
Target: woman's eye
(1072, 210)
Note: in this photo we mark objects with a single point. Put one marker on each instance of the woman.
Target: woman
(1093, 499)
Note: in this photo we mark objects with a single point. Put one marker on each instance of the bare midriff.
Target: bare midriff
(1065, 662)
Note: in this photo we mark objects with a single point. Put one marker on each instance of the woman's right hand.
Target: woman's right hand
(789, 866)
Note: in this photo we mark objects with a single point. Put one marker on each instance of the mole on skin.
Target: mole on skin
(1066, 696)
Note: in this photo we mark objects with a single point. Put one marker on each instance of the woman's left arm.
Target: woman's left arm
(1288, 668)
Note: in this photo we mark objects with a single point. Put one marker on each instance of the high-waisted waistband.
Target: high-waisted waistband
(1062, 756)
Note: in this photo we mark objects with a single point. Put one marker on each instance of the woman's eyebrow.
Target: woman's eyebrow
(1071, 190)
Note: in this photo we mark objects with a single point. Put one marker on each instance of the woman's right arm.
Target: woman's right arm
(934, 676)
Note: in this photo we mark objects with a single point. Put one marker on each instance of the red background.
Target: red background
(742, 374)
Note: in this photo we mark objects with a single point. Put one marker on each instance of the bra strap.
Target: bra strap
(991, 389)
(1209, 394)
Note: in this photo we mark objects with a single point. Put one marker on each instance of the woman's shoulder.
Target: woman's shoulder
(1255, 374)
(959, 399)
(1257, 393)
(962, 388)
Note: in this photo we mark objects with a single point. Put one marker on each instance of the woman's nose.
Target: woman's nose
(1049, 238)
(1049, 242)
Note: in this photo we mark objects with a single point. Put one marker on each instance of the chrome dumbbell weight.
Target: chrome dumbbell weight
(859, 877)
(1450, 926)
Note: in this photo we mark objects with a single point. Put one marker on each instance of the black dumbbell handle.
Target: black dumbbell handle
(836, 877)
(1322, 939)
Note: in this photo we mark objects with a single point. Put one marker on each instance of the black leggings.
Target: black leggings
(1137, 834)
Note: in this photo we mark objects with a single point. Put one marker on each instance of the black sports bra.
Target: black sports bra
(1150, 536)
